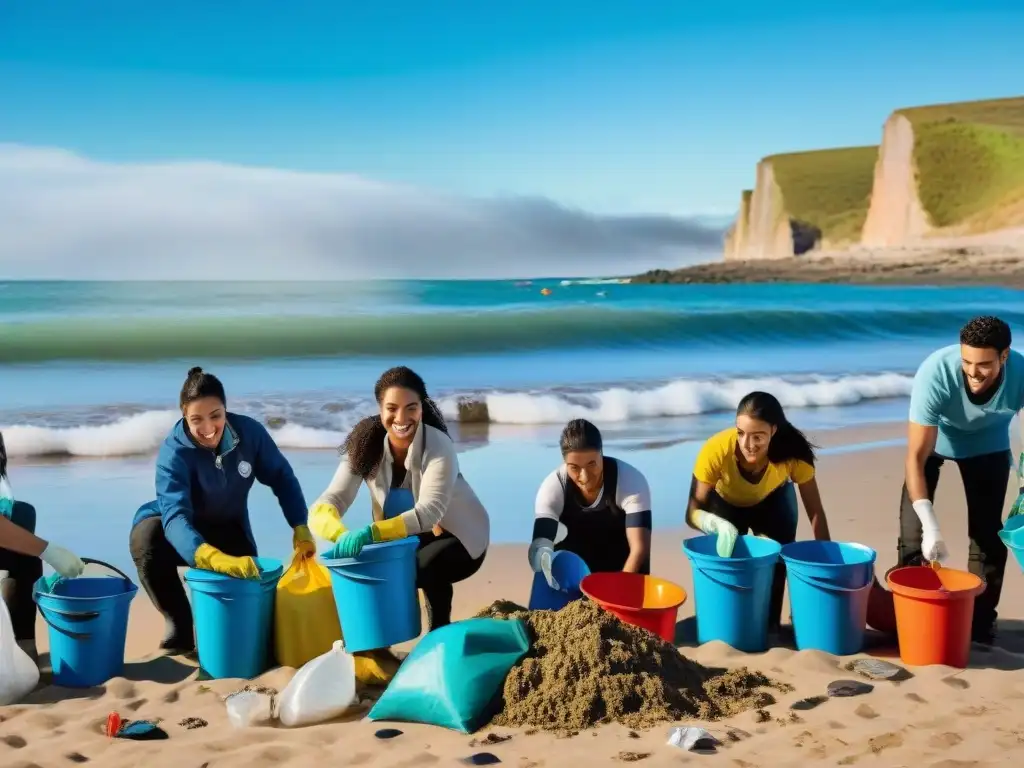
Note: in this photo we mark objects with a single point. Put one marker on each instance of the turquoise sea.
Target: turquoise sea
(90, 373)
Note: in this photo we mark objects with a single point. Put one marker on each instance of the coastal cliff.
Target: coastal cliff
(803, 201)
(941, 171)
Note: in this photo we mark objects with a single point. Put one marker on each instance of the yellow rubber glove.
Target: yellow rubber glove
(212, 559)
(389, 530)
(325, 522)
(303, 541)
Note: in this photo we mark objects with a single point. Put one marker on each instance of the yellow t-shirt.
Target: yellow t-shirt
(716, 465)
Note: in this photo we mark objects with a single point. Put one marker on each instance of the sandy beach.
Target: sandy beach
(939, 717)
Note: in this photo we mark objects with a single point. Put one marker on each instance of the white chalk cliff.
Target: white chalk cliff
(763, 231)
(895, 216)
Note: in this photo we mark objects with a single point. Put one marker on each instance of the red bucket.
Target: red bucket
(643, 601)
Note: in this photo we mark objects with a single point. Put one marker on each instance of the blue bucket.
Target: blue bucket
(376, 595)
(733, 594)
(88, 624)
(569, 570)
(829, 586)
(234, 619)
(1012, 535)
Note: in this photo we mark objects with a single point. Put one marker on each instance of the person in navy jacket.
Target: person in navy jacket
(200, 518)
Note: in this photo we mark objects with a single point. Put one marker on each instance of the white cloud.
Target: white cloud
(66, 216)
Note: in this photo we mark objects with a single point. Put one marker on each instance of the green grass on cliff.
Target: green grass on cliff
(969, 157)
(829, 188)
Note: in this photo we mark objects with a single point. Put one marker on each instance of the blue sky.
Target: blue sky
(661, 109)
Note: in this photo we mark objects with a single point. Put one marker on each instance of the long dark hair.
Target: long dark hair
(3, 456)
(788, 442)
(365, 443)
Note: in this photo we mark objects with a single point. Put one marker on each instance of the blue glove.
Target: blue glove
(351, 543)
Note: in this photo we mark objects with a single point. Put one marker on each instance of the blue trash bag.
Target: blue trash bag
(455, 675)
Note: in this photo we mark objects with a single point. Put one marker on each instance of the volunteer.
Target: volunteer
(204, 472)
(410, 466)
(604, 504)
(743, 482)
(22, 555)
(962, 402)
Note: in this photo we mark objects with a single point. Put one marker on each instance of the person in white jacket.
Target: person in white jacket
(22, 555)
(410, 465)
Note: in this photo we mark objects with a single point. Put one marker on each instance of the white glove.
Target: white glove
(713, 525)
(540, 560)
(63, 561)
(933, 548)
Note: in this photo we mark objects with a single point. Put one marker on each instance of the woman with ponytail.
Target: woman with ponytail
(204, 471)
(743, 483)
(410, 466)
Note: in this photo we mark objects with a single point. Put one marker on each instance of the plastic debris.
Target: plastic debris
(691, 738)
(387, 733)
(876, 669)
(248, 708)
(849, 688)
(141, 730)
(113, 725)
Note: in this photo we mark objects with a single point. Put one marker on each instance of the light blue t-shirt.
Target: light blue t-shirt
(939, 399)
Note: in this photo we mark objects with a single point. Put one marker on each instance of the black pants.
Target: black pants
(24, 571)
(775, 516)
(985, 479)
(158, 562)
(442, 561)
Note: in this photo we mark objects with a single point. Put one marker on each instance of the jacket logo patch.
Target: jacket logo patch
(244, 468)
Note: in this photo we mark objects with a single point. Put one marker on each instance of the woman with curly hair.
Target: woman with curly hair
(409, 463)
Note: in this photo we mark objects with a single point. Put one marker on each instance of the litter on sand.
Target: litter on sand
(587, 667)
(691, 738)
(849, 688)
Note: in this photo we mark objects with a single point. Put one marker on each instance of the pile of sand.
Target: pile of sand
(588, 667)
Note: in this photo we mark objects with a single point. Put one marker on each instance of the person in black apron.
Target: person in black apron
(602, 504)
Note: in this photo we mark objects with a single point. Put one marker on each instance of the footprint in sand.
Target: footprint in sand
(886, 741)
(14, 741)
(76, 757)
(120, 688)
(865, 711)
(171, 697)
(135, 706)
(976, 711)
(945, 740)
(916, 698)
(956, 682)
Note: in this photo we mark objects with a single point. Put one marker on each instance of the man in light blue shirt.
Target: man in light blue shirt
(963, 400)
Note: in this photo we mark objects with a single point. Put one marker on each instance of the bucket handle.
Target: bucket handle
(740, 587)
(824, 585)
(70, 616)
(76, 616)
(108, 566)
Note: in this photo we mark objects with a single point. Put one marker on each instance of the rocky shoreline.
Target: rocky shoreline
(975, 266)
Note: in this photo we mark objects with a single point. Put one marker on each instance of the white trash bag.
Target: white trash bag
(323, 689)
(18, 673)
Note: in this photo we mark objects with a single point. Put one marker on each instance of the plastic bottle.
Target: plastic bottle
(323, 689)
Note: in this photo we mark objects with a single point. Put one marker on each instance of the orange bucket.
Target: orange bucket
(934, 613)
(643, 601)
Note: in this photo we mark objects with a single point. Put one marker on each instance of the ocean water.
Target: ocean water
(90, 374)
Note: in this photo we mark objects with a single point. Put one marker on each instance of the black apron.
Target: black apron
(597, 535)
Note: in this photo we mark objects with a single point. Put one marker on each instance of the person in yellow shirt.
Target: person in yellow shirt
(743, 483)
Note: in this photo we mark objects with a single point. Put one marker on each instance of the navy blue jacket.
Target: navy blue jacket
(196, 485)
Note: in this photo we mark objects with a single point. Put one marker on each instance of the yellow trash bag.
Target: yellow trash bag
(305, 617)
(306, 623)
